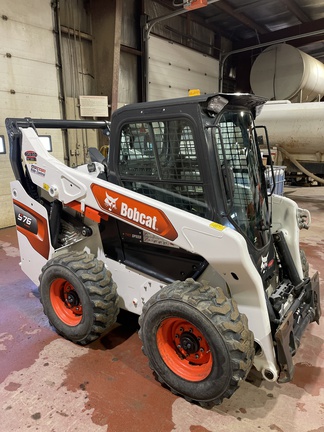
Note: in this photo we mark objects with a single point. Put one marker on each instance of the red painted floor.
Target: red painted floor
(50, 384)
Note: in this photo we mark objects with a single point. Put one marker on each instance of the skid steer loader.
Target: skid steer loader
(177, 225)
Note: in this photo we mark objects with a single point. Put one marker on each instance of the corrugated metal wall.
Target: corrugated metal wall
(130, 55)
(75, 39)
(28, 78)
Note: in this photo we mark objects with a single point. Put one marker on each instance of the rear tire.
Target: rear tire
(197, 342)
(79, 296)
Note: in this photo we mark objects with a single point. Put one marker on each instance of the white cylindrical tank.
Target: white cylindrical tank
(284, 72)
(296, 127)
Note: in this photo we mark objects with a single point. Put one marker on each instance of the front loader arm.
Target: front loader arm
(15, 126)
(15, 143)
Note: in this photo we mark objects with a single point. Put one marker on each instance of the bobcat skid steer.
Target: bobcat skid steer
(177, 225)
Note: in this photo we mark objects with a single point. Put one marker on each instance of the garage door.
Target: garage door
(174, 69)
(28, 79)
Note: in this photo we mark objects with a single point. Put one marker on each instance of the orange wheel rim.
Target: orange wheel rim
(66, 302)
(184, 349)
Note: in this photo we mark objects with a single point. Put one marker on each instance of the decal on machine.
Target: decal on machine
(31, 156)
(25, 220)
(110, 202)
(135, 215)
(38, 170)
(136, 212)
(265, 264)
(153, 239)
(33, 226)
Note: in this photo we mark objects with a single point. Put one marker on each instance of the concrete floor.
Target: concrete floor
(48, 384)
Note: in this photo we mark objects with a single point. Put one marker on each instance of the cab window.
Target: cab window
(159, 159)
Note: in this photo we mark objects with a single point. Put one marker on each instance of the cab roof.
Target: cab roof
(246, 100)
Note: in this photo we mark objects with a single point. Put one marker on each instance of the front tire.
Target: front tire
(197, 342)
(79, 296)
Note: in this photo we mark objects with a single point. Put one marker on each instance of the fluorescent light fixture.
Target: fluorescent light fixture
(47, 142)
(2, 145)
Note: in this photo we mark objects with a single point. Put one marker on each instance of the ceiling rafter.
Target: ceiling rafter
(243, 19)
(248, 6)
(297, 30)
(296, 10)
(194, 17)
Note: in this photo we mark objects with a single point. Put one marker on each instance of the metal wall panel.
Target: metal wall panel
(28, 78)
(130, 54)
(76, 49)
(75, 14)
(130, 24)
(128, 78)
(77, 66)
(174, 69)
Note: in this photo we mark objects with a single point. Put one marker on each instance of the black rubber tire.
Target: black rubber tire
(93, 288)
(217, 318)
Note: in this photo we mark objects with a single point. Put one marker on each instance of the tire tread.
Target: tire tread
(224, 314)
(99, 285)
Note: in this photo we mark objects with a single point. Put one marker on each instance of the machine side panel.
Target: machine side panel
(33, 232)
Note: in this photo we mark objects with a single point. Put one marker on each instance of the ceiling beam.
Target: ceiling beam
(253, 4)
(243, 19)
(297, 30)
(296, 10)
(197, 19)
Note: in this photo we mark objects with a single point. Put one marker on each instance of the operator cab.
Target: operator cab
(198, 154)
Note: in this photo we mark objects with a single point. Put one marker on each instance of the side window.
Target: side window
(188, 156)
(136, 151)
(239, 150)
(159, 160)
(234, 151)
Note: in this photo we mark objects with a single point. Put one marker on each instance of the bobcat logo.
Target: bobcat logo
(110, 202)
(264, 263)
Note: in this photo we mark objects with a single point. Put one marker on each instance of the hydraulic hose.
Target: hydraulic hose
(298, 165)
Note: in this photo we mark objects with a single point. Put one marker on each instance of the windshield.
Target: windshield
(237, 150)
